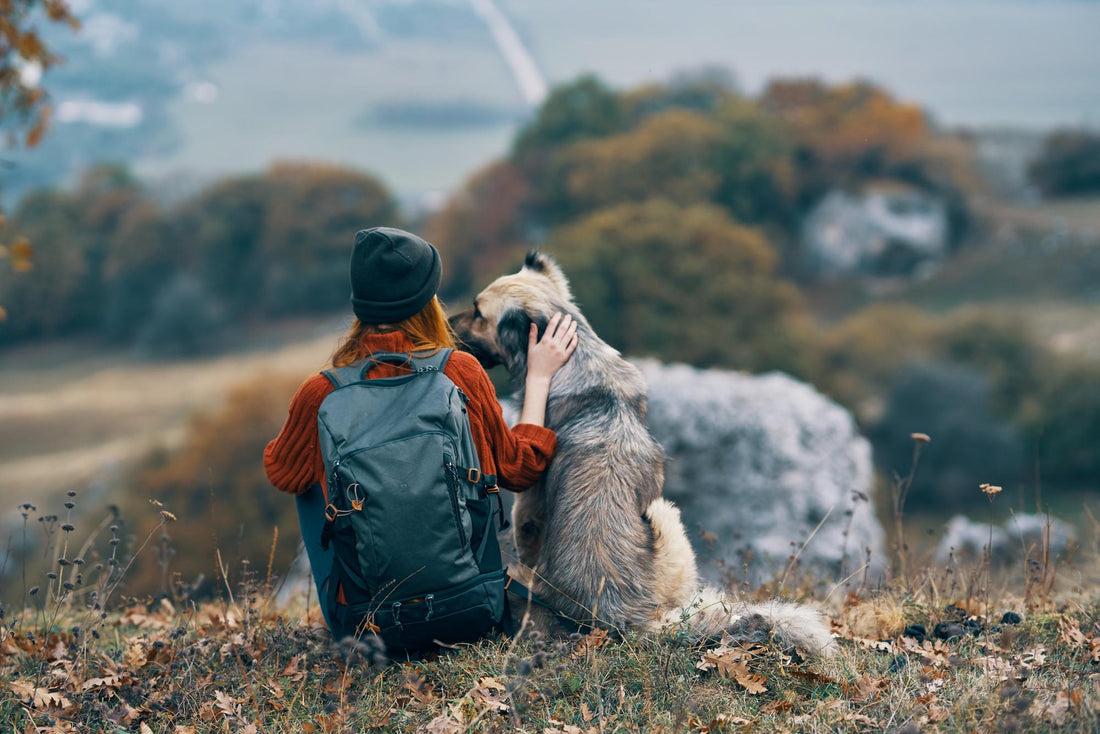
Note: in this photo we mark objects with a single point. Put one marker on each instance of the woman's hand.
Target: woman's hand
(547, 356)
(544, 358)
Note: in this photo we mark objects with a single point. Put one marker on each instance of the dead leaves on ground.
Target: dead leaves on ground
(485, 699)
(1071, 636)
(137, 684)
(732, 661)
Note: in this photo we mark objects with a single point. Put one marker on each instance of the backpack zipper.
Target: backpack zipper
(452, 481)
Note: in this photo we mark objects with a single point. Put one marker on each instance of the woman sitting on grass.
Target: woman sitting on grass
(394, 279)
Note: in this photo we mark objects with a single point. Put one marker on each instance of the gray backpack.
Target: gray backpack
(408, 511)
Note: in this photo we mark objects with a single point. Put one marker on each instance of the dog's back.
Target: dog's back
(596, 554)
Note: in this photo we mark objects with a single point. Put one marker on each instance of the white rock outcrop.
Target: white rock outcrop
(1021, 535)
(756, 463)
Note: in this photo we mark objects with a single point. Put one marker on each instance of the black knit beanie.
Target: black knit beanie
(393, 275)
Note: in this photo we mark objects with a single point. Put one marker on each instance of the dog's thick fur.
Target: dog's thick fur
(597, 539)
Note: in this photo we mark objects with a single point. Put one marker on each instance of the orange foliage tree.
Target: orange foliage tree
(683, 283)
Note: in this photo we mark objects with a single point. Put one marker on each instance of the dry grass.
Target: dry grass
(224, 667)
(938, 655)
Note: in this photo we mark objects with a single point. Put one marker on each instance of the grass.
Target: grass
(942, 652)
(246, 667)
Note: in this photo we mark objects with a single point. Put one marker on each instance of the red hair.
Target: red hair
(428, 329)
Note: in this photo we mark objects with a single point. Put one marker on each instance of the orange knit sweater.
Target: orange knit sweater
(517, 456)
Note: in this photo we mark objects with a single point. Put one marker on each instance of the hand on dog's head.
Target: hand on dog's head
(514, 302)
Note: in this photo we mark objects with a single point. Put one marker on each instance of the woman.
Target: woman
(394, 279)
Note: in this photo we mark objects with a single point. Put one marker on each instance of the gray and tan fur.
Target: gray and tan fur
(597, 539)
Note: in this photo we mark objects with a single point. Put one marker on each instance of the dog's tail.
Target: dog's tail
(707, 613)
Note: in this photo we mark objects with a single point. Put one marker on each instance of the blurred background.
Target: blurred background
(897, 202)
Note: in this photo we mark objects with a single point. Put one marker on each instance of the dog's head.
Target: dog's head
(497, 328)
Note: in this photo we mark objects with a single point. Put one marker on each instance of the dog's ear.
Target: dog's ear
(536, 261)
(514, 331)
(543, 264)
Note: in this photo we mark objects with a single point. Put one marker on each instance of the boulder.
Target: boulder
(759, 464)
(965, 539)
(1019, 536)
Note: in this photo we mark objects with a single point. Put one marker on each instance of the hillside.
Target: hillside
(72, 413)
(956, 650)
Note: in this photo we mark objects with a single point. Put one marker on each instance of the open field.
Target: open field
(70, 415)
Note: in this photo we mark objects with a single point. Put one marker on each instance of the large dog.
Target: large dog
(595, 537)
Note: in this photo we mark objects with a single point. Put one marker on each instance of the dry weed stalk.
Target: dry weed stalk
(900, 490)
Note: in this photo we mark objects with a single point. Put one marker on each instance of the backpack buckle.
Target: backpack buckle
(331, 512)
(473, 476)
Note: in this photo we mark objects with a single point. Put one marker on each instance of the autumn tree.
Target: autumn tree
(1068, 164)
(481, 228)
(74, 233)
(252, 246)
(683, 283)
(848, 134)
(24, 112)
(668, 154)
(23, 103)
(278, 243)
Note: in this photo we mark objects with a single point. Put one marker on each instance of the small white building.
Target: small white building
(887, 229)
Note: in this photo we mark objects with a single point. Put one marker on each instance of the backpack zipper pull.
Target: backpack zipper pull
(429, 599)
(335, 477)
(465, 398)
(396, 609)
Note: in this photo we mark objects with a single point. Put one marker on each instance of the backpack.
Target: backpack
(408, 511)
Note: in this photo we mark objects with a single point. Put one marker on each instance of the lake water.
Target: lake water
(982, 64)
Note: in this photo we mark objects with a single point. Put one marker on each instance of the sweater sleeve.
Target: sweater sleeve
(522, 453)
(291, 459)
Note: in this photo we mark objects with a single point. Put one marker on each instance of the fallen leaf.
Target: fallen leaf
(560, 727)
(419, 687)
(753, 683)
(593, 640)
(112, 681)
(227, 704)
(870, 687)
(486, 694)
(37, 696)
(291, 670)
(1071, 634)
(443, 725)
(728, 660)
